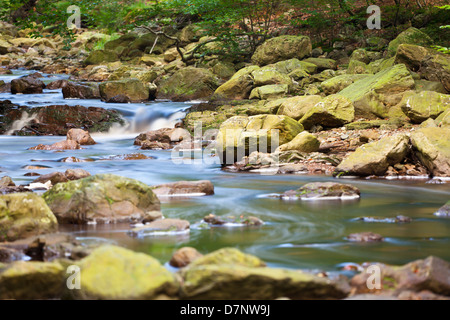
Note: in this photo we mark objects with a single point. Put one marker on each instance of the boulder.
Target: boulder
(76, 174)
(267, 75)
(54, 178)
(271, 91)
(81, 136)
(291, 65)
(358, 67)
(409, 36)
(241, 220)
(444, 119)
(165, 138)
(336, 84)
(374, 158)
(114, 273)
(239, 136)
(57, 84)
(322, 63)
(23, 215)
(32, 281)
(161, 226)
(185, 188)
(27, 85)
(365, 237)
(184, 256)
(103, 198)
(188, 84)
(432, 147)
(229, 256)
(133, 89)
(424, 105)
(81, 91)
(431, 274)
(238, 87)
(333, 111)
(282, 48)
(443, 211)
(224, 69)
(323, 191)
(303, 142)
(375, 95)
(297, 107)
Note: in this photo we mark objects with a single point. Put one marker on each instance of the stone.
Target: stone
(81, 136)
(444, 119)
(322, 63)
(374, 96)
(303, 142)
(76, 174)
(101, 56)
(63, 145)
(374, 158)
(57, 84)
(297, 107)
(336, 84)
(323, 191)
(81, 91)
(161, 226)
(444, 211)
(228, 256)
(103, 198)
(271, 91)
(114, 273)
(241, 220)
(432, 147)
(54, 178)
(267, 75)
(188, 84)
(282, 48)
(333, 111)
(27, 85)
(23, 215)
(424, 105)
(184, 256)
(365, 237)
(409, 36)
(32, 280)
(185, 188)
(133, 89)
(238, 87)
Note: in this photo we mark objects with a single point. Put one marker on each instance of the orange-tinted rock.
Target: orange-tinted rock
(184, 256)
(81, 136)
(63, 145)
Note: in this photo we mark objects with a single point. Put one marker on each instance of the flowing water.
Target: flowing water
(306, 235)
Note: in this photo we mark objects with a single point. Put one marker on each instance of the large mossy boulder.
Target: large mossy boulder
(231, 256)
(444, 119)
(333, 111)
(32, 280)
(424, 105)
(239, 135)
(409, 36)
(103, 198)
(303, 142)
(101, 56)
(336, 84)
(432, 147)
(374, 158)
(188, 84)
(270, 91)
(282, 48)
(289, 66)
(322, 63)
(131, 89)
(373, 96)
(114, 273)
(238, 87)
(23, 215)
(268, 75)
(296, 107)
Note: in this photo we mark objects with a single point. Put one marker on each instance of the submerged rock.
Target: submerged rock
(103, 198)
(365, 237)
(185, 188)
(397, 219)
(231, 219)
(323, 190)
(164, 138)
(23, 215)
(444, 211)
(184, 256)
(161, 226)
(113, 273)
(62, 145)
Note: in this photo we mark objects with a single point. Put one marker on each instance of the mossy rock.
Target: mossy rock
(296, 107)
(425, 85)
(358, 67)
(238, 87)
(101, 56)
(322, 63)
(336, 84)
(114, 273)
(103, 198)
(374, 158)
(303, 142)
(228, 256)
(444, 119)
(282, 48)
(268, 75)
(271, 91)
(188, 84)
(23, 215)
(131, 88)
(32, 280)
(423, 105)
(409, 36)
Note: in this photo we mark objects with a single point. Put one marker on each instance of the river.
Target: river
(301, 235)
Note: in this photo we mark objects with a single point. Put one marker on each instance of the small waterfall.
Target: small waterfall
(24, 120)
(146, 119)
